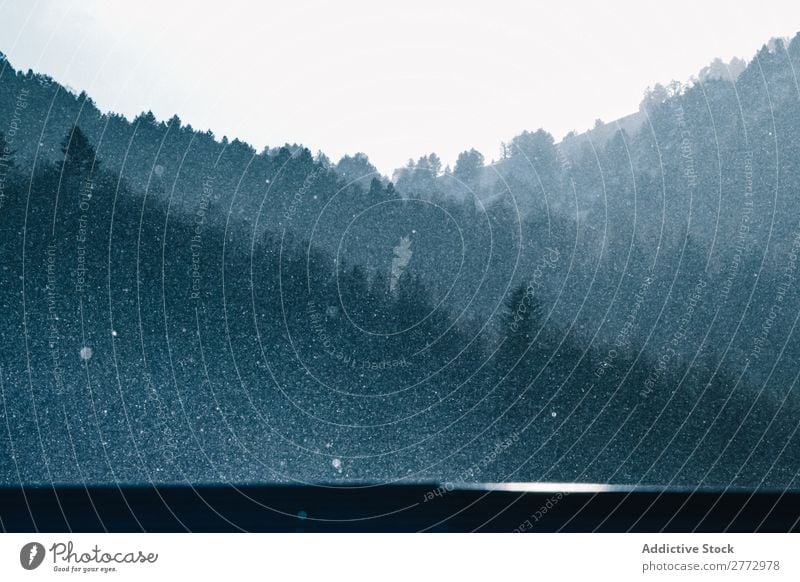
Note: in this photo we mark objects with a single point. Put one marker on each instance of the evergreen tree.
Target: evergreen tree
(79, 154)
(469, 166)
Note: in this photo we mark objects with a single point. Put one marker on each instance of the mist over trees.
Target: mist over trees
(619, 306)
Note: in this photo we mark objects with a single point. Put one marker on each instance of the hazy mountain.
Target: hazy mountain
(182, 307)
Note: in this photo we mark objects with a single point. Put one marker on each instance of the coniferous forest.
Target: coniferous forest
(617, 307)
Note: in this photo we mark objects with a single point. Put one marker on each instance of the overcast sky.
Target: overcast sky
(392, 81)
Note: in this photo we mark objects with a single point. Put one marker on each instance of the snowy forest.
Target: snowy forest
(616, 307)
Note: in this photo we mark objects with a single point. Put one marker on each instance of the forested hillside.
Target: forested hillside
(617, 307)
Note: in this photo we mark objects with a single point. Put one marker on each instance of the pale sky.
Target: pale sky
(392, 80)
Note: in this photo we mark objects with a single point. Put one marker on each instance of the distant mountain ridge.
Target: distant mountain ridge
(178, 307)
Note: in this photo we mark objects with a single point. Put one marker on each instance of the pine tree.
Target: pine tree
(79, 154)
